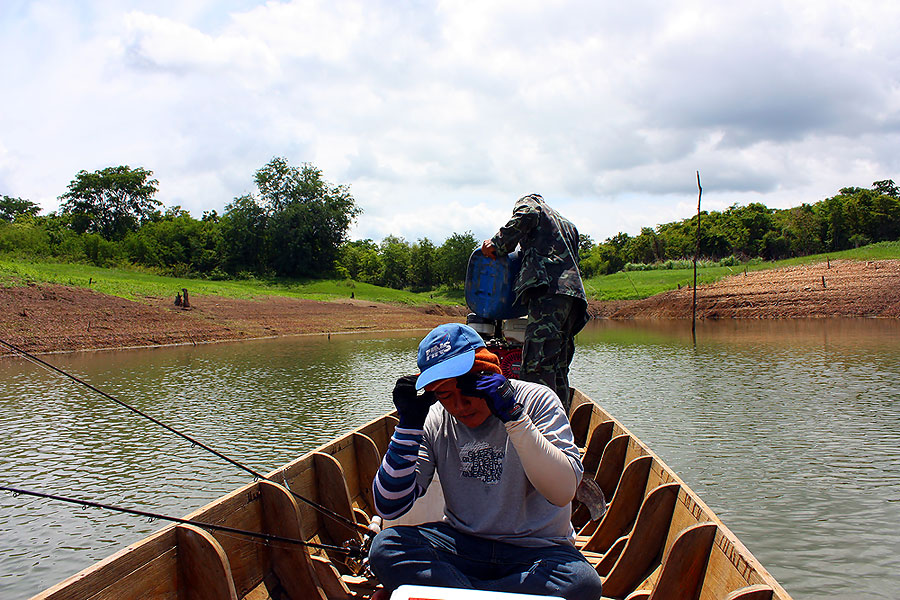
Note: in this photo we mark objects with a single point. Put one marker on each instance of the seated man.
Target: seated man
(508, 466)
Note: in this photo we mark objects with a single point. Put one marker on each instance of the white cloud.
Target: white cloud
(439, 115)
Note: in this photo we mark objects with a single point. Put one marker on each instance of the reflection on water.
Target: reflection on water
(787, 429)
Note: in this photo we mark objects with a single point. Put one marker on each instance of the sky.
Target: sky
(438, 115)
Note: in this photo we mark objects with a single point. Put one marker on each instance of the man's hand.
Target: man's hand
(496, 390)
(488, 249)
(411, 407)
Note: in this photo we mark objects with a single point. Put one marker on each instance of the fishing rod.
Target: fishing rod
(322, 509)
(267, 537)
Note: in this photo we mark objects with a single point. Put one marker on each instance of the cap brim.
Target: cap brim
(452, 367)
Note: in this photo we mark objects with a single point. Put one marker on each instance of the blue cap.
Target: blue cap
(448, 351)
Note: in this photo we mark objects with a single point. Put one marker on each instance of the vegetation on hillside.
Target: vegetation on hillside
(853, 218)
(294, 229)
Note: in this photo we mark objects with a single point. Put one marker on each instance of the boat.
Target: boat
(657, 540)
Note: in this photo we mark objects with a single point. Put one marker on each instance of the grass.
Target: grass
(137, 284)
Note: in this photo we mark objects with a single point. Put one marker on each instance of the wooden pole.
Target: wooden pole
(696, 252)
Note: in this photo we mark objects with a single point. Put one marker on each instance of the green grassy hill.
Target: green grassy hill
(136, 284)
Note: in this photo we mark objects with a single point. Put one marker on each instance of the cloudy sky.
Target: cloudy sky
(438, 115)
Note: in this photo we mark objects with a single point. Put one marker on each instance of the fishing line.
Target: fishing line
(267, 537)
(325, 511)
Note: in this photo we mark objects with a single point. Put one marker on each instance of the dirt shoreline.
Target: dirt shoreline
(53, 318)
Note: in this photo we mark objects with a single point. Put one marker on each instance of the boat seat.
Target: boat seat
(607, 477)
(593, 453)
(752, 592)
(203, 568)
(623, 508)
(643, 548)
(580, 422)
(605, 561)
(596, 444)
(253, 568)
(333, 495)
(684, 566)
(368, 460)
(612, 464)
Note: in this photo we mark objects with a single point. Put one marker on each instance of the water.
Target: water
(787, 429)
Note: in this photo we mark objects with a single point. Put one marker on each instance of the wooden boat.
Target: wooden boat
(656, 541)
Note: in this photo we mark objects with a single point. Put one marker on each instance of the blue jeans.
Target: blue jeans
(437, 554)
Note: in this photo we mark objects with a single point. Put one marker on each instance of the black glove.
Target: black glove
(411, 407)
(496, 390)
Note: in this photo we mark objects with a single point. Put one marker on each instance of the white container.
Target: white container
(514, 329)
(423, 592)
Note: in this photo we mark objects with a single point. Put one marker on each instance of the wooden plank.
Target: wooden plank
(241, 510)
(597, 440)
(611, 464)
(580, 421)
(684, 566)
(609, 472)
(346, 456)
(290, 563)
(203, 569)
(332, 585)
(368, 461)
(643, 551)
(608, 560)
(753, 592)
(624, 506)
(333, 495)
(92, 582)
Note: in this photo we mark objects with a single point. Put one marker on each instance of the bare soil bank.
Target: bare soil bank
(831, 289)
(47, 318)
(50, 318)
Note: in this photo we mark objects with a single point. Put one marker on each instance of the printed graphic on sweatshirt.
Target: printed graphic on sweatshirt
(480, 461)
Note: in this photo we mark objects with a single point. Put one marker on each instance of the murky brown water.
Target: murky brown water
(788, 430)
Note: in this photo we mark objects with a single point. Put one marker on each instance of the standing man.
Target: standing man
(508, 467)
(549, 284)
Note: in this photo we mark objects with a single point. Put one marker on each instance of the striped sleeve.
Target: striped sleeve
(394, 487)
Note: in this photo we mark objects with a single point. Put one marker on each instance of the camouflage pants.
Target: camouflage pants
(550, 343)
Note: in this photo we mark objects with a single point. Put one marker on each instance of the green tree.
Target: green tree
(745, 227)
(887, 187)
(395, 262)
(178, 243)
(585, 243)
(834, 228)
(453, 257)
(308, 218)
(111, 201)
(11, 208)
(243, 231)
(645, 248)
(802, 232)
(423, 265)
(359, 260)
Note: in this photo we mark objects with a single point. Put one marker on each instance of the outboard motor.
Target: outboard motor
(496, 315)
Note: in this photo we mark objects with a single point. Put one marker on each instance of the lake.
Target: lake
(789, 430)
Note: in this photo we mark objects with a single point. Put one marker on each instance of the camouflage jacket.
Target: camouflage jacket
(549, 244)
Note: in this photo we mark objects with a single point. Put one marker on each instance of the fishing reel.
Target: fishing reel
(358, 550)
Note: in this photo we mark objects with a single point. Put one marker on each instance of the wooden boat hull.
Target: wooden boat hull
(657, 540)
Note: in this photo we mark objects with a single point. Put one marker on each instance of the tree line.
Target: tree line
(854, 217)
(296, 224)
